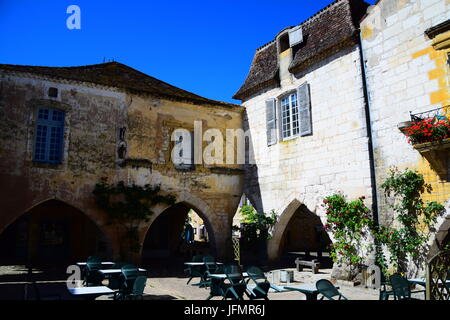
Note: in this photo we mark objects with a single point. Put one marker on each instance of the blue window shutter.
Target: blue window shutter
(49, 136)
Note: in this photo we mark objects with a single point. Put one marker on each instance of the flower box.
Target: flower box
(431, 137)
(428, 130)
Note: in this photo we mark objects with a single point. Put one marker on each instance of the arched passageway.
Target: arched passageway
(52, 233)
(305, 233)
(167, 241)
(304, 236)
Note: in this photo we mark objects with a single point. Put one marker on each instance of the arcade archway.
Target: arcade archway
(52, 233)
(168, 242)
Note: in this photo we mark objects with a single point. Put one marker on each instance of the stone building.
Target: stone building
(65, 129)
(322, 104)
(306, 114)
(406, 46)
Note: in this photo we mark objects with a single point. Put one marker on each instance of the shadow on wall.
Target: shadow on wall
(251, 187)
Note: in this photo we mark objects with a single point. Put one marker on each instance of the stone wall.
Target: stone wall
(406, 73)
(94, 117)
(306, 169)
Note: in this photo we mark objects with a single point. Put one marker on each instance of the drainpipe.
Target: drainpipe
(369, 133)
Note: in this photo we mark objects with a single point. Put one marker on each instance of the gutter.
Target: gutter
(376, 218)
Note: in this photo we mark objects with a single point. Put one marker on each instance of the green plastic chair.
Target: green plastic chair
(402, 288)
(138, 289)
(262, 285)
(210, 263)
(195, 271)
(92, 275)
(328, 290)
(384, 292)
(127, 278)
(210, 266)
(234, 287)
(115, 280)
(215, 284)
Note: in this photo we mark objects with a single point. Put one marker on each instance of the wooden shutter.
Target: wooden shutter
(304, 109)
(271, 122)
(295, 36)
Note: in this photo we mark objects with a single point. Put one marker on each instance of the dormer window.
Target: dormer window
(284, 42)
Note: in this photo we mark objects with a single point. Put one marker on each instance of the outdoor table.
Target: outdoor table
(200, 267)
(310, 290)
(106, 263)
(200, 263)
(90, 293)
(423, 282)
(224, 276)
(115, 271)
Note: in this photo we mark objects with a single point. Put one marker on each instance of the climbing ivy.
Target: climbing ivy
(128, 206)
(406, 238)
(350, 223)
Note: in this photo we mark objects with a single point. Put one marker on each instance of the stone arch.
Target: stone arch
(73, 219)
(193, 202)
(289, 206)
(95, 218)
(442, 232)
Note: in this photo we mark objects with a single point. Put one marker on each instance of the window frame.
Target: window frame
(49, 124)
(281, 117)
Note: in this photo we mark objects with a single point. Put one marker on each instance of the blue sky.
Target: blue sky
(205, 47)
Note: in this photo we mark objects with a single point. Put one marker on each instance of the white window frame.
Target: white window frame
(294, 131)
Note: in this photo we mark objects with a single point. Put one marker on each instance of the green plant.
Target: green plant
(257, 225)
(128, 206)
(414, 218)
(350, 223)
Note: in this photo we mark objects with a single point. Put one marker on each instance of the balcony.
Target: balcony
(429, 133)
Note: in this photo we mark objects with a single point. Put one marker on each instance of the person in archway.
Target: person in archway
(188, 233)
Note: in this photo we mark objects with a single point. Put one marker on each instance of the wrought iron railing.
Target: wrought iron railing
(415, 117)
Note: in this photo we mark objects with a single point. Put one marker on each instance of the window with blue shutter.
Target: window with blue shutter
(49, 138)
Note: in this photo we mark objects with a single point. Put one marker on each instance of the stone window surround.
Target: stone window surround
(34, 106)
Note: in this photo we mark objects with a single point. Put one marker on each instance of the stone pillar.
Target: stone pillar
(33, 238)
(221, 227)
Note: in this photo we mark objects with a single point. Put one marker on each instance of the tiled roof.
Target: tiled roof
(325, 33)
(117, 75)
